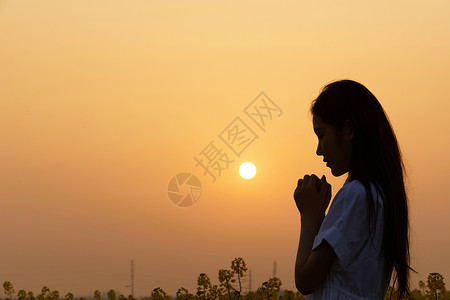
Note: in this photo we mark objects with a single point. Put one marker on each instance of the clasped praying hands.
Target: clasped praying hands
(312, 197)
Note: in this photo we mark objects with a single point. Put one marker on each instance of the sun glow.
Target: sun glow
(247, 170)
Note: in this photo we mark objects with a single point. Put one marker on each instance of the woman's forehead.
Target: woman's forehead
(320, 125)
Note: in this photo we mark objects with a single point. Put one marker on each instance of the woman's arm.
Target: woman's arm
(312, 197)
(311, 267)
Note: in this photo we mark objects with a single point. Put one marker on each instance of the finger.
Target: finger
(322, 182)
(306, 180)
(299, 182)
(324, 190)
(314, 176)
(318, 184)
(313, 180)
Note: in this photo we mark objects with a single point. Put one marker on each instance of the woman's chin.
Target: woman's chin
(337, 173)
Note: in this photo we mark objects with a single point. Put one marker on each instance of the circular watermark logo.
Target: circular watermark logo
(184, 189)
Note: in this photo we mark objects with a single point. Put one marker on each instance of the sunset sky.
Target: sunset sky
(102, 103)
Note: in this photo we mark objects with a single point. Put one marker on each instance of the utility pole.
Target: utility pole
(132, 278)
(250, 281)
(274, 268)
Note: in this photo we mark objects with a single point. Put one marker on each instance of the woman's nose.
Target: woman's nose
(319, 150)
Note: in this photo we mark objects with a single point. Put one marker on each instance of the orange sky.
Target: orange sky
(101, 104)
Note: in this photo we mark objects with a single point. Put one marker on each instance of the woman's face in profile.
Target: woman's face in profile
(335, 146)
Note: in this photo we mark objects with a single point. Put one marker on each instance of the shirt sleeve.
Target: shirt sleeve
(345, 225)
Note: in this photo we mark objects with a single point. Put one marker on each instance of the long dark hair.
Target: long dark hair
(376, 158)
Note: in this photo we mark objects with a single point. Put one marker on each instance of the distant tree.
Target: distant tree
(422, 286)
(130, 297)
(288, 295)
(262, 291)
(183, 294)
(122, 297)
(111, 295)
(435, 286)
(44, 295)
(54, 295)
(21, 295)
(97, 295)
(68, 296)
(216, 292)
(30, 296)
(206, 290)
(275, 284)
(270, 289)
(203, 285)
(252, 296)
(226, 279)
(9, 289)
(159, 294)
(239, 268)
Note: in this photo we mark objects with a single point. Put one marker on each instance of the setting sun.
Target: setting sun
(247, 170)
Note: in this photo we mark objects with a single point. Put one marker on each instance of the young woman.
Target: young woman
(353, 251)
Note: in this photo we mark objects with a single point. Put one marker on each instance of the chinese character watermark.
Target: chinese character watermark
(238, 136)
(262, 108)
(217, 160)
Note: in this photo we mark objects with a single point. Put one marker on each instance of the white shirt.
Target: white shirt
(358, 272)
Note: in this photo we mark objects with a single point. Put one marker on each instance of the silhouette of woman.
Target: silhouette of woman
(353, 251)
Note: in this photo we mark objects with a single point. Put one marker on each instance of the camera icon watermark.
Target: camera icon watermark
(184, 189)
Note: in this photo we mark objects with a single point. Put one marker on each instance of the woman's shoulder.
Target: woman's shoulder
(354, 185)
(351, 189)
(354, 188)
